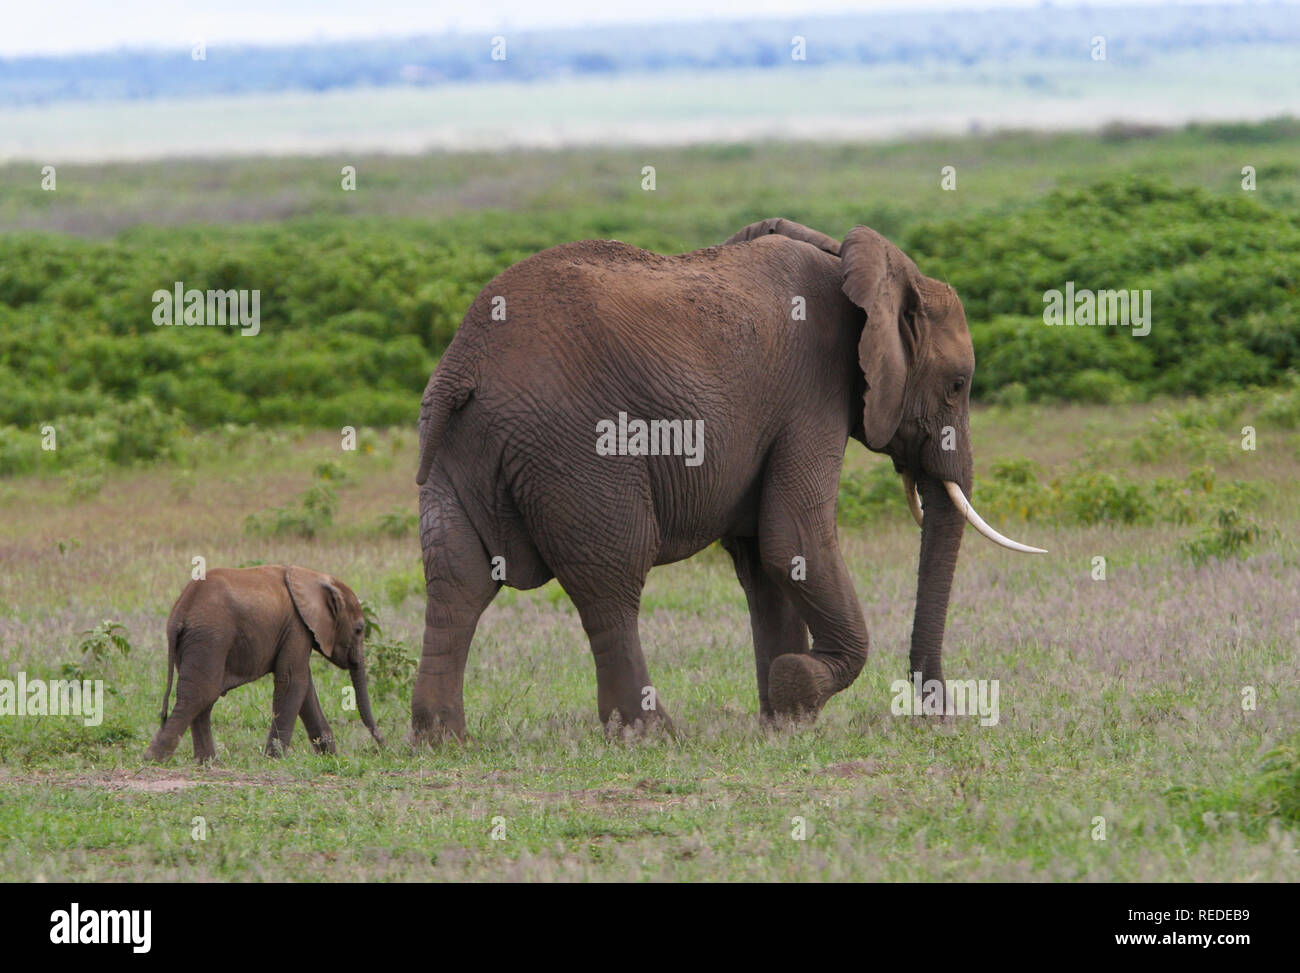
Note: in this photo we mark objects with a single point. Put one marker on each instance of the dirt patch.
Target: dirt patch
(140, 782)
(853, 768)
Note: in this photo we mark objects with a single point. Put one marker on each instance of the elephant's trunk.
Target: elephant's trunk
(941, 533)
(358, 673)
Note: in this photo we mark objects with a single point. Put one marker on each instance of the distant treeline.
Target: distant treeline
(953, 37)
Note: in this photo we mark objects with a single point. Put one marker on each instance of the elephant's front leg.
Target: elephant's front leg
(292, 680)
(773, 616)
(313, 720)
(798, 547)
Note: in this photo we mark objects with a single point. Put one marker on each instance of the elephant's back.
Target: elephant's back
(597, 305)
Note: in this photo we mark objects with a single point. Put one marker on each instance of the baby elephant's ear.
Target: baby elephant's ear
(318, 603)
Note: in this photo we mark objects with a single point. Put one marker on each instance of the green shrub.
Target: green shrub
(96, 646)
(1094, 497)
(1271, 797)
(401, 585)
(1231, 535)
(1012, 489)
(313, 515)
(397, 523)
(1279, 786)
(331, 472)
(390, 666)
(864, 497)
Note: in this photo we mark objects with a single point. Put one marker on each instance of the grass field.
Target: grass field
(1148, 721)
(702, 190)
(1119, 699)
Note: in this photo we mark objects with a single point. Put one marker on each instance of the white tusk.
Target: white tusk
(913, 501)
(977, 521)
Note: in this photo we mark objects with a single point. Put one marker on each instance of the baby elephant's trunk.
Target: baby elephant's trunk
(358, 672)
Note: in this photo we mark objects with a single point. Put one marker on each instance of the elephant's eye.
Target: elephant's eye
(957, 384)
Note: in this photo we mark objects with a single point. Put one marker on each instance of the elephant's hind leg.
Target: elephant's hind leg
(205, 748)
(194, 698)
(603, 569)
(458, 586)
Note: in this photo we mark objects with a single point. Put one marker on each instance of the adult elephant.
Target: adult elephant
(783, 343)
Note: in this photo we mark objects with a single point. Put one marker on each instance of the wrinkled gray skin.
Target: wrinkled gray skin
(509, 468)
(236, 626)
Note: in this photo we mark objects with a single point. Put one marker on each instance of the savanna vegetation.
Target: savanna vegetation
(1148, 666)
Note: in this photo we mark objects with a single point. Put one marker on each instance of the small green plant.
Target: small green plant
(390, 664)
(331, 472)
(401, 585)
(1252, 805)
(97, 644)
(371, 617)
(1279, 786)
(99, 641)
(1230, 536)
(313, 515)
(82, 485)
(182, 485)
(69, 545)
(397, 523)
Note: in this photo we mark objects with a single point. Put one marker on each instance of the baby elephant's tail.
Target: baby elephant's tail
(173, 639)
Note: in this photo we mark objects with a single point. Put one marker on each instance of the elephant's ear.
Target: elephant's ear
(318, 602)
(781, 227)
(882, 280)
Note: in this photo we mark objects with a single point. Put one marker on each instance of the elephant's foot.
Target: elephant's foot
(434, 731)
(646, 723)
(157, 753)
(798, 685)
(324, 745)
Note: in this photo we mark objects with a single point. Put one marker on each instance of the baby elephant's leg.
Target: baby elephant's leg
(196, 691)
(292, 680)
(313, 720)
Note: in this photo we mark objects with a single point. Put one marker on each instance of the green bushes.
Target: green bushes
(118, 433)
(1222, 272)
(355, 311)
(1085, 496)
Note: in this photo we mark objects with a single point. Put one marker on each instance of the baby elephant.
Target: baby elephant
(236, 626)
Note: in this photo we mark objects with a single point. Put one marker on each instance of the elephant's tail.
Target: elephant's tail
(442, 397)
(173, 640)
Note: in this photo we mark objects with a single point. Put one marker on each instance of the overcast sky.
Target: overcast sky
(66, 26)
